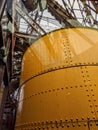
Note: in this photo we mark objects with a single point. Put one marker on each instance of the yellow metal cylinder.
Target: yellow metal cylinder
(59, 82)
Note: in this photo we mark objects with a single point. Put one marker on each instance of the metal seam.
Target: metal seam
(57, 124)
(57, 68)
(87, 81)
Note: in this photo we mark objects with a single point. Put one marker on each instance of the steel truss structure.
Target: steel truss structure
(21, 23)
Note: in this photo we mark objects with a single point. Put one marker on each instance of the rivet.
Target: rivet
(35, 123)
(38, 128)
(61, 120)
(42, 123)
(49, 90)
(51, 122)
(73, 125)
(66, 120)
(90, 105)
(79, 124)
(88, 118)
(75, 64)
(92, 112)
(96, 123)
(57, 126)
(96, 105)
(39, 123)
(62, 88)
(30, 96)
(59, 67)
(80, 63)
(62, 125)
(55, 68)
(67, 125)
(89, 100)
(85, 124)
(56, 122)
(46, 122)
(52, 126)
(53, 89)
(47, 127)
(82, 118)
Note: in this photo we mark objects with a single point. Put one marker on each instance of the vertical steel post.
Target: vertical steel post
(5, 93)
(2, 7)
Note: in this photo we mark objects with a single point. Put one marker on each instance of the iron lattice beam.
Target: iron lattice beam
(59, 12)
(30, 21)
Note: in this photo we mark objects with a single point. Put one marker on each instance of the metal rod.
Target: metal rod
(2, 6)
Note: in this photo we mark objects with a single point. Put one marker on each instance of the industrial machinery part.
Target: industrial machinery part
(59, 82)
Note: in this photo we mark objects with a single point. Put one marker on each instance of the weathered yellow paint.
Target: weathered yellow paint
(59, 84)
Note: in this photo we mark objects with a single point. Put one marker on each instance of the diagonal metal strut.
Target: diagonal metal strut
(30, 21)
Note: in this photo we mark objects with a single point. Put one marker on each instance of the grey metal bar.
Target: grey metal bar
(2, 6)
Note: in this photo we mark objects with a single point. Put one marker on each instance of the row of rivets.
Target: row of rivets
(54, 90)
(67, 49)
(62, 67)
(89, 90)
(57, 124)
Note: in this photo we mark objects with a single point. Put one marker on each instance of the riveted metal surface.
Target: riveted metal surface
(77, 46)
(59, 84)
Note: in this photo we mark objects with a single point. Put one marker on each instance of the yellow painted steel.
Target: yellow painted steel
(59, 82)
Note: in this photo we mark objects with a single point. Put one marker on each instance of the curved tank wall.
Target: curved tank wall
(59, 82)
